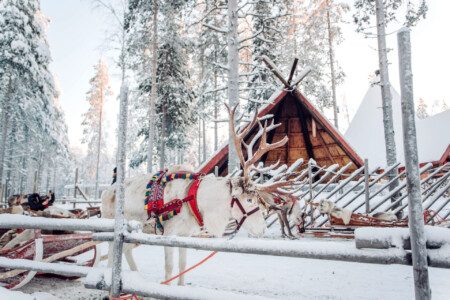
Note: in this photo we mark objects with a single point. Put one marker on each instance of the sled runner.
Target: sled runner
(46, 248)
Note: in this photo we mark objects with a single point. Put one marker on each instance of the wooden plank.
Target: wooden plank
(357, 160)
(322, 141)
(305, 132)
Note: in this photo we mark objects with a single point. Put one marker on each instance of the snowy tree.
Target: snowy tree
(422, 108)
(175, 96)
(29, 118)
(384, 12)
(173, 106)
(93, 119)
(266, 21)
(313, 31)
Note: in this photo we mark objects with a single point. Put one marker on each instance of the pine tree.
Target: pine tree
(27, 94)
(175, 96)
(174, 103)
(93, 119)
(384, 12)
(422, 109)
(265, 22)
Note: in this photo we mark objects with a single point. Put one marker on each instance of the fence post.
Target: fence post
(416, 226)
(366, 184)
(216, 171)
(310, 180)
(116, 280)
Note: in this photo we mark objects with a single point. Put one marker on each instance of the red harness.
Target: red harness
(173, 207)
(244, 213)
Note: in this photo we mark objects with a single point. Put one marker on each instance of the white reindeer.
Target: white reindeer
(288, 211)
(214, 199)
(329, 207)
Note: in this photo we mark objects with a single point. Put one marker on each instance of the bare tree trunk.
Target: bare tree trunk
(199, 154)
(204, 154)
(99, 143)
(5, 123)
(162, 158)
(416, 226)
(332, 71)
(12, 145)
(216, 113)
(233, 77)
(25, 161)
(391, 150)
(38, 173)
(153, 92)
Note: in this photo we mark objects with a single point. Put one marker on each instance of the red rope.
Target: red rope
(190, 268)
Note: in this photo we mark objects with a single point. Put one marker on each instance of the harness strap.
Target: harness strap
(192, 194)
(245, 214)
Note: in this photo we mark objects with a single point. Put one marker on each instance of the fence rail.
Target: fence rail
(327, 250)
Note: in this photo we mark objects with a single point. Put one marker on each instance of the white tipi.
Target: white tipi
(366, 133)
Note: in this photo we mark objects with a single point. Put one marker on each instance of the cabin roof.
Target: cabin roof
(310, 134)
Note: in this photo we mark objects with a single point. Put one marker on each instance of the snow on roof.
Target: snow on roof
(366, 131)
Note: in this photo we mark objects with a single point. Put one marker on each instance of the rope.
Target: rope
(190, 268)
(210, 255)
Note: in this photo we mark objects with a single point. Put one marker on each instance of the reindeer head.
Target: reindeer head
(326, 206)
(243, 187)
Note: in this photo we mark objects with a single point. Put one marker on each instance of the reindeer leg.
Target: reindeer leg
(280, 219)
(286, 223)
(168, 256)
(127, 251)
(288, 226)
(181, 264)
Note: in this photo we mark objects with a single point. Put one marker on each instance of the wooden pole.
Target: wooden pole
(416, 227)
(366, 184)
(216, 171)
(291, 74)
(119, 225)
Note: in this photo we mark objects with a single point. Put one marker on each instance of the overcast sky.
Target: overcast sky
(77, 34)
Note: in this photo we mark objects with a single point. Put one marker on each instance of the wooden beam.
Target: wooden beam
(335, 135)
(294, 66)
(300, 77)
(274, 70)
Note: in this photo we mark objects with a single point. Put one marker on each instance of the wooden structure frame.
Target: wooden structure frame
(310, 134)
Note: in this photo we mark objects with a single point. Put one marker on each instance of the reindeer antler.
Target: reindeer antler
(264, 147)
(283, 177)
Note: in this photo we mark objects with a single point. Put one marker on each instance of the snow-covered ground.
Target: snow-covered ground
(273, 277)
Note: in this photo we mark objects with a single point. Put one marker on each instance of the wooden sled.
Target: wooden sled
(47, 248)
(362, 220)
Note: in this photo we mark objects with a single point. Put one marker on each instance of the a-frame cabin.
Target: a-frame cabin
(310, 136)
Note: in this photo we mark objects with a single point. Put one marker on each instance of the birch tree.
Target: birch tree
(385, 11)
(29, 116)
(93, 119)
